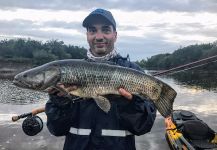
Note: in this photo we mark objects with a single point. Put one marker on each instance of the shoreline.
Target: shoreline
(9, 68)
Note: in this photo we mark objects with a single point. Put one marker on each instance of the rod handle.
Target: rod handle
(32, 113)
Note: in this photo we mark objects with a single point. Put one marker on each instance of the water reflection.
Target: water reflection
(194, 97)
(197, 79)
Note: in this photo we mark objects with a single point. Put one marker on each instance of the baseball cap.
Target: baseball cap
(99, 14)
(199, 134)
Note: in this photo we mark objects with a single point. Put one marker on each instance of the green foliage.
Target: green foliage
(38, 52)
(181, 56)
(44, 56)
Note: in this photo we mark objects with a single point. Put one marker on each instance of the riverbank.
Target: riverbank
(9, 68)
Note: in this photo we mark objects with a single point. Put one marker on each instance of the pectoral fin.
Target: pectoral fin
(77, 92)
(103, 103)
(69, 90)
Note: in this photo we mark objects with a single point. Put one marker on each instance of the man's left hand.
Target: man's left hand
(126, 94)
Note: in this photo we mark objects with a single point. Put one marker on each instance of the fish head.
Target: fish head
(39, 78)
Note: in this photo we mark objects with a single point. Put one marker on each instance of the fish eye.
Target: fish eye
(24, 75)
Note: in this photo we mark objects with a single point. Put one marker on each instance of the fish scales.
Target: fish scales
(100, 76)
(98, 79)
(102, 80)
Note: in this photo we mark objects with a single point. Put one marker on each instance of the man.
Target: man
(84, 124)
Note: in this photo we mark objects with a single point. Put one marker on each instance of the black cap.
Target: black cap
(99, 14)
(199, 134)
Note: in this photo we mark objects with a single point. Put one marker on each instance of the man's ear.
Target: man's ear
(116, 34)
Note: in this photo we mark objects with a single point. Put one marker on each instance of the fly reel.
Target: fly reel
(32, 125)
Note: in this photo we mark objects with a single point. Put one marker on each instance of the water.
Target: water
(196, 98)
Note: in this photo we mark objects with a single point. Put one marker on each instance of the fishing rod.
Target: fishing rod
(32, 113)
(32, 124)
(40, 110)
(188, 66)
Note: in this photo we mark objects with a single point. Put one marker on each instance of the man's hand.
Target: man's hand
(67, 88)
(126, 94)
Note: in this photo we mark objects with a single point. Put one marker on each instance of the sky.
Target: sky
(145, 27)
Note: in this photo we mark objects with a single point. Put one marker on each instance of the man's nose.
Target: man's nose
(99, 35)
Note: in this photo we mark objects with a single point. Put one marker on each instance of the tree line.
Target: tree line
(181, 56)
(38, 52)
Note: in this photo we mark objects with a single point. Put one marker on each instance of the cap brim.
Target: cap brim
(95, 18)
(203, 144)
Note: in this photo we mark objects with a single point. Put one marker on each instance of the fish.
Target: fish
(96, 80)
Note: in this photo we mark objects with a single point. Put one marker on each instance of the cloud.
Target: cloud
(62, 24)
(140, 48)
(135, 5)
(145, 27)
(29, 29)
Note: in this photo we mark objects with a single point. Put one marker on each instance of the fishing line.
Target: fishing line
(188, 66)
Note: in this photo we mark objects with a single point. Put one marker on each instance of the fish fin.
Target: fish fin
(103, 103)
(77, 92)
(71, 95)
(165, 103)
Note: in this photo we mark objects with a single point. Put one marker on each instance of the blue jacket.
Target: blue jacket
(87, 127)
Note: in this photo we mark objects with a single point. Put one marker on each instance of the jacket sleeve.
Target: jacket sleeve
(138, 116)
(58, 116)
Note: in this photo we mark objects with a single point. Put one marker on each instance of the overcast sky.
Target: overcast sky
(145, 27)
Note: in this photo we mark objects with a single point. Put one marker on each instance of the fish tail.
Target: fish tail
(165, 103)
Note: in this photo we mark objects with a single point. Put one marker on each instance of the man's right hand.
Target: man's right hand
(60, 98)
(66, 88)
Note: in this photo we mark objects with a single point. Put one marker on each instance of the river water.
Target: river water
(201, 101)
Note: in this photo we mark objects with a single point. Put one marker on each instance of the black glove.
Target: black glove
(60, 101)
(59, 98)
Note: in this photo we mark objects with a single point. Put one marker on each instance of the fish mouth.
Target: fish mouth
(28, 85)
(20, 83)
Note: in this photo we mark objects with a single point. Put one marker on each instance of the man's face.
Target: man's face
(101, 39)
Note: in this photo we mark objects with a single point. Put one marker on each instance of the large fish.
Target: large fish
(95, 80)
